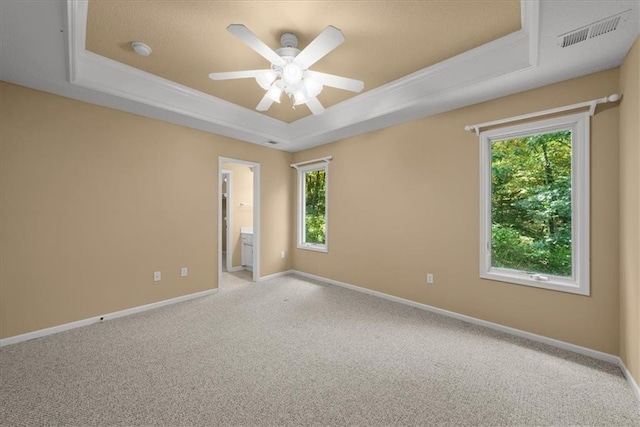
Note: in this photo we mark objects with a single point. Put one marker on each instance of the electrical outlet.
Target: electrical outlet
(282, 254)
(183, 271)
(157, 276)
(430, 278)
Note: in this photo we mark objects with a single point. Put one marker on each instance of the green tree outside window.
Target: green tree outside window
(531, 203)
(315, 206)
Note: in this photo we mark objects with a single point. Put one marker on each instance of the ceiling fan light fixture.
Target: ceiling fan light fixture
(289, 71)
(292, 73)
(274, 93)
(266, 78)
(312, 86)
(299, 97)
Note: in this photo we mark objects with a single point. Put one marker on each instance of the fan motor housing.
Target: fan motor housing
(288, 52)
(288, 40)
(288, 47)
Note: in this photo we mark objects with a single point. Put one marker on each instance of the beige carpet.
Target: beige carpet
(293, 352)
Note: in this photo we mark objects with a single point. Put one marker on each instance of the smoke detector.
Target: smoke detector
(141, 48)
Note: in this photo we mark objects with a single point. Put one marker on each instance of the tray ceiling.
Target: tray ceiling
(44, 47)
(384, 40)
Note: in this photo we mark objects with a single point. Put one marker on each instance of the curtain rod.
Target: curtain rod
(591, 104)
(321, 159)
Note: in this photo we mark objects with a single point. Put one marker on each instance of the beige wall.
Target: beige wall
(95, 200)
(630, 211)
(403, 202)
(242, 209)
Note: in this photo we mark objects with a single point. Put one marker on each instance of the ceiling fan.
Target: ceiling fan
(289, 72)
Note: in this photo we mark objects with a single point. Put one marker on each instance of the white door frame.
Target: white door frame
(256, 215)
(229, 256)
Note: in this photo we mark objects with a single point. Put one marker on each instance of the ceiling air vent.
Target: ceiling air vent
(595, 29)
(270, 142)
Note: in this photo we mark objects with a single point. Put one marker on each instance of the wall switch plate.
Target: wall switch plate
(429, 278)
(183, 271)
(157, 276)
(282, 254)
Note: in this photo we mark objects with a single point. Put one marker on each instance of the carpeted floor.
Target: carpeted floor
(293, 352)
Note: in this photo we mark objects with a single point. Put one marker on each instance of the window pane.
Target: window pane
(531, 203)
(315, 212)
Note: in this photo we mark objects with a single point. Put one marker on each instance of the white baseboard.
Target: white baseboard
(89, 321)
(276, 275)
(238, 268)
(632, 381)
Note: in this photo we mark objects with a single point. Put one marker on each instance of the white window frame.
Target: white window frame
(302, 170)
(578, 283)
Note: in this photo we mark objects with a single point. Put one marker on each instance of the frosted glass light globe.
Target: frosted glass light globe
(312, 86)
(292, 73)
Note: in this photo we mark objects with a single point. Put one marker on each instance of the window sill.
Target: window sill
(552, 283)
(315, 248)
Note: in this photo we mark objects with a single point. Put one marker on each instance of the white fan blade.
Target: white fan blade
(338, 82)
(264, 104)
(236, 74)
(327, 40)
(314, 105)
(247, 37)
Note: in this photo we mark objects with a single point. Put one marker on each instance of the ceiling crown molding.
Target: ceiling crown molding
(459, 81)
(96, 72)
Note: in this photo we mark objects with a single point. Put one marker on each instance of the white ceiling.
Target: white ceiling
(42, 47)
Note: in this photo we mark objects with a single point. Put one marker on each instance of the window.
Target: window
(534, 204)
(312, 206)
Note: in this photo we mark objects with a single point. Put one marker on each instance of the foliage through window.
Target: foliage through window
(535, 204)
(531, 203)
(312, 212)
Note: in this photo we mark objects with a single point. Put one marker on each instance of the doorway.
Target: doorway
(238, 219)
(227, 216)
